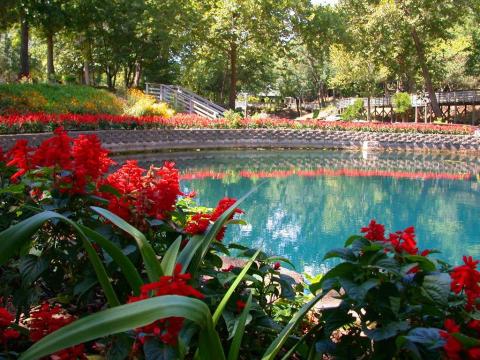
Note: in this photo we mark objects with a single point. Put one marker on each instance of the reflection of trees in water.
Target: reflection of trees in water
(256, 161)
(303, 217)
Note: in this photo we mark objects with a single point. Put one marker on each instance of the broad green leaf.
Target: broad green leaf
(130, 316)
(424, 263)
(186, 255)
(277, 344)
(231, 289)
(352, 238)
(437, 286)
(170, 258)
(124, 263)
(152, 265)
(239, 331)
(342, 253)
(31, 267)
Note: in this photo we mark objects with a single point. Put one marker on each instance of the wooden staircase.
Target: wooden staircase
(186, 100)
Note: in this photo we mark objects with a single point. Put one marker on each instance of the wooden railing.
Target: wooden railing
(452, 97)
(185, 100)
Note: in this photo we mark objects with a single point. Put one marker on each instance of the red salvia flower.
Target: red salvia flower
(46, 319)
(466, 277)
(374, 231)
(55, 151)
(20, 157)
(240, 305)
(404, 241)
(165, 330)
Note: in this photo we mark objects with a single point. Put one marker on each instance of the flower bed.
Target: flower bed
(41, 122)
(126, 265)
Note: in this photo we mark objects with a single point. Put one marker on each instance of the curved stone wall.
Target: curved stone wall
(150, 140)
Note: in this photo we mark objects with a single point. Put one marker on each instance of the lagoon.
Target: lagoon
(311, 201)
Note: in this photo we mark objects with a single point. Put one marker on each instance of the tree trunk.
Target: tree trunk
(24, 55)
(233, 76)
(87, 56)
(138, 74)
(109, 77)
(369, 112)
(426, 74)
(50, 64)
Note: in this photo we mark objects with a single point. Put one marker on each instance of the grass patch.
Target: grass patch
(57, 99)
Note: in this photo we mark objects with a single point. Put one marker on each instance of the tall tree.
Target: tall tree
(390, 28)
(50, 17)
(232, 27)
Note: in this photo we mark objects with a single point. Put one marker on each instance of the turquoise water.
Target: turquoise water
(311, 201)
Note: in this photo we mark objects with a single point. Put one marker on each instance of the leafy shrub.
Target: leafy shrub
(401, 102)
(57, 99)
(140, 104)
(233, 118)
(354, 111)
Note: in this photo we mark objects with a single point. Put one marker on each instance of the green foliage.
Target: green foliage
(354, 111)
(24, 98)
(401, 102)
(233, 117)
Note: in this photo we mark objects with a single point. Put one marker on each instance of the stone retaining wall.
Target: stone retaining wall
(150, 140)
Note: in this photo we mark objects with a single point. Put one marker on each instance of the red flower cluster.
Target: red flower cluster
(83, 157)
(453, 347)
(402, 241)
(166, 330)
(7, 333)
(152, 194)
(199, 223)
(35, 121)
(374, 231)
(46, 319)
(466, 278)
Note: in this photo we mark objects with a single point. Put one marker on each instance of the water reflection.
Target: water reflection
(312, 200)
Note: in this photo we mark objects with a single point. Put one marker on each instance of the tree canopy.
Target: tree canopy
(221, 47)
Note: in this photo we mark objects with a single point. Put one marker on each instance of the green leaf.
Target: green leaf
(213, 230)
(358, 292)
(170, 258)
(430, 337)
(437, 287)
(155, 350)
(13, 189)
(340, 270)
(466, 341)
(391, 329)
(186, 255)
(124, 263)
(277, 344)
(273, 259)
(352, 238)
(19, 235)
(130, 316)
(424, 263)
(239, 331)
(31, 267)
(231, 289)
(152, 265)
(342, 253)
